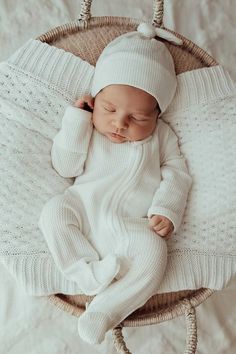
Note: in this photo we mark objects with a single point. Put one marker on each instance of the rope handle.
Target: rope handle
(191, 325)
(158, 12)
(191, 335)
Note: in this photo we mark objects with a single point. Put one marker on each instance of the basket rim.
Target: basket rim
(79, 25)
(178, 308)
(173, 310)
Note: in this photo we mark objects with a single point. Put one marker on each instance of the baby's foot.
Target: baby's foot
(92, 326)
(94, 276)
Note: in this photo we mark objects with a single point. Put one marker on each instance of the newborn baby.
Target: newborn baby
(106, 232)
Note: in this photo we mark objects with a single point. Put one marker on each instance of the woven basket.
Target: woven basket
(86, 37)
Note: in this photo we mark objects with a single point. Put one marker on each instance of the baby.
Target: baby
(106, 232)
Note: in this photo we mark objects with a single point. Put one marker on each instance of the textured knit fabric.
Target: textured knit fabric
(36, 85)
(116, 185)
(147, 257)
(138, 59)
(105, 214)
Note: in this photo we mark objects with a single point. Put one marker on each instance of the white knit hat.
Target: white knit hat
(138, 59)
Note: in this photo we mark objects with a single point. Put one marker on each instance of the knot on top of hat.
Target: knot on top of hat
(149, 31)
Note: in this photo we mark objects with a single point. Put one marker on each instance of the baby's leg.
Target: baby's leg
(63, 223)
(147, 253)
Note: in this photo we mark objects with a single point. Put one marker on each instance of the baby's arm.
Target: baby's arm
(70, 145)
(170, 199)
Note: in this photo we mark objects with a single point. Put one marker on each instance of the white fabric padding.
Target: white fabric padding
(34, 92)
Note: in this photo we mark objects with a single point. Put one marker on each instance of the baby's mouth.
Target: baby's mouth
(118, 135)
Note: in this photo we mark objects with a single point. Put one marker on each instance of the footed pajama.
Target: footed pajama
(136, 260)
(98, 230)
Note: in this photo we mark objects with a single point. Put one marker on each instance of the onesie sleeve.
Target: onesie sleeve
(171, 197)
(70, 145)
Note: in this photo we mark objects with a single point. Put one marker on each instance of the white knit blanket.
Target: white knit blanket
(36, 84)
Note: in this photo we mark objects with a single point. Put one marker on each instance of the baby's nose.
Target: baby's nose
(121, 123)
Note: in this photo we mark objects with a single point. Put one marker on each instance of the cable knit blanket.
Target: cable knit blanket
(36, 84)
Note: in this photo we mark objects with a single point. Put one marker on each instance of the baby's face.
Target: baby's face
(125, 113)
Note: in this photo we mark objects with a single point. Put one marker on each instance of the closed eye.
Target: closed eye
(139, 119)
(109, 109)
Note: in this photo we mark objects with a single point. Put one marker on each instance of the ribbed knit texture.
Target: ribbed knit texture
(117, 186)
(93, 326)
(139, 176)
(136, 60)
(34, 91)
(140, 280)
(61, 70)
(32, 102)
(64, 225)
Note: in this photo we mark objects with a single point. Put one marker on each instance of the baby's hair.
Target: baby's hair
(158, 108)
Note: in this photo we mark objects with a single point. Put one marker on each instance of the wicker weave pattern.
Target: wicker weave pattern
(89, 43)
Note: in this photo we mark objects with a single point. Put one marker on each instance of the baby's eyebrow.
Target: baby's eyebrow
(135, 112)
(147, 112)
(105, 101)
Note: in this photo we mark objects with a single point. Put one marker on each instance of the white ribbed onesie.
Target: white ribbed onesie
(102, 218)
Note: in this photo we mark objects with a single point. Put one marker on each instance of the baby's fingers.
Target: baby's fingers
(163, 232)
(155, 220)
(79, 103)
(85, 102)
(89, 103)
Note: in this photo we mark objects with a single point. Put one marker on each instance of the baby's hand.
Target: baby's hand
(85, 102)
(161, 225)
